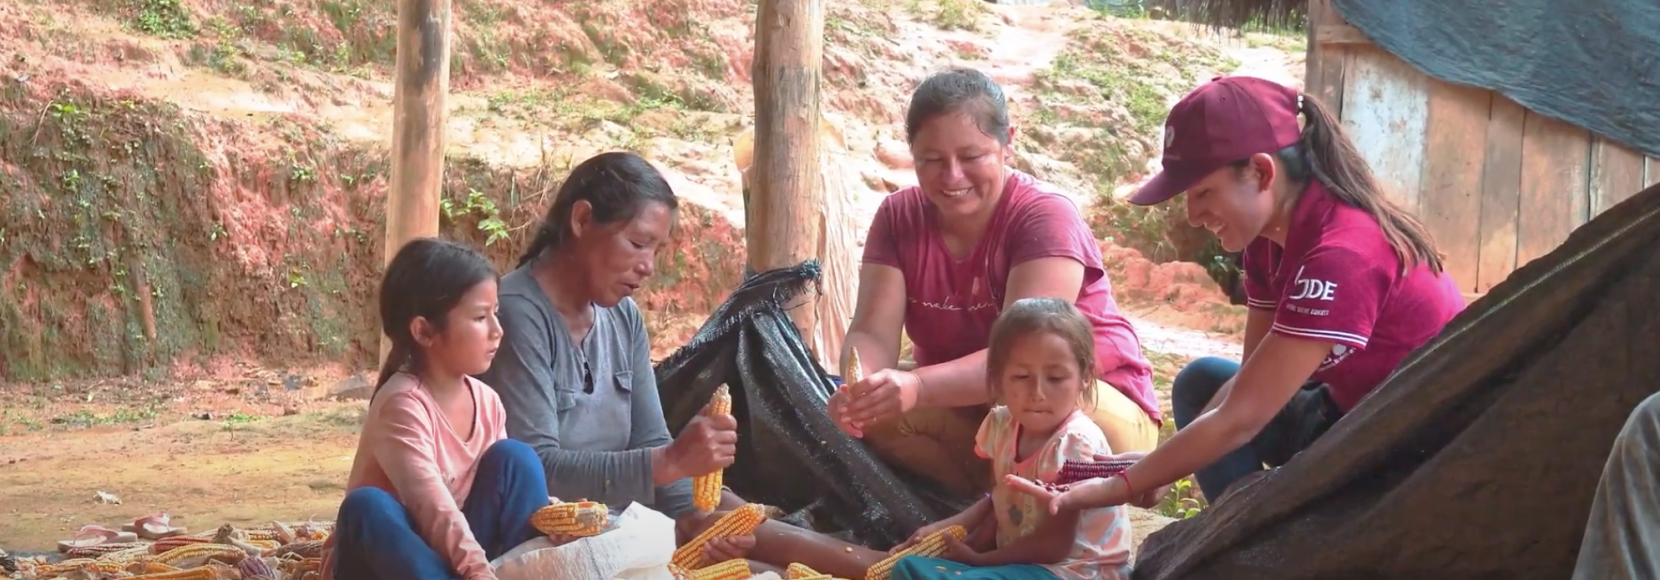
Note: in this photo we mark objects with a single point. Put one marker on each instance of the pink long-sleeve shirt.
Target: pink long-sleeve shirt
(409, 449)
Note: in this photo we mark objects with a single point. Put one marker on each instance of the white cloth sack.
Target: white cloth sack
(638, 546)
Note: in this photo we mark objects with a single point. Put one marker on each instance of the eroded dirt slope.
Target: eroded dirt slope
(200, 181)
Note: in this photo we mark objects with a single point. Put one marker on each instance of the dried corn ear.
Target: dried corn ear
(577, 518)
(194, 555)
(932, 546)
(186, 574)
(738, 522)
(800, 571)
(734, 569)
(706, 488)
(852, 370)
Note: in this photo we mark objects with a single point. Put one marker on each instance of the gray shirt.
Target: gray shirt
(592, 427)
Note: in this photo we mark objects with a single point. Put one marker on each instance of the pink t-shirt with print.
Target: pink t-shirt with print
(1337, 279)
(1101, 544)
(951, 303)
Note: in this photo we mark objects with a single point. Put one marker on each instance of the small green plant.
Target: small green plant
(164, 18)
(480, 207)
(1182, 501)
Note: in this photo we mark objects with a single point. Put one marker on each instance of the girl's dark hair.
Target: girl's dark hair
(960, 89)
(1326, 153)
(425, 279)
(618, 184)
(1029, 316)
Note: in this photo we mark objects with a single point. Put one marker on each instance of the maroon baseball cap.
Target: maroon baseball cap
(1222, 121)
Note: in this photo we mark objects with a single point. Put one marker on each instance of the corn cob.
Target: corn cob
(932, 546)
(738, 522)
(679, 573)
(734, 569)
(101, 549)
(577, 518)
(188, 574)
(800, 571)
(310, 549)
(255, 568)
(1074, 471)
(706, 487)
(163, 545)
(198, 554)
(852, 371)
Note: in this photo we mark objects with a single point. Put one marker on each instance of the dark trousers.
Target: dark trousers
(376, 540)
(1303, 420)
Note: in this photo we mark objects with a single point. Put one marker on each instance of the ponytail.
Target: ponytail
(1327, 154)
(547, 236)
(396, 360)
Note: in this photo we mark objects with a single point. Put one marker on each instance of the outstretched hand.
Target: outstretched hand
(1147, 498)
(1090, 494)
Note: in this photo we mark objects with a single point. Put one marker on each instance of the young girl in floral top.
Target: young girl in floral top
(1040, 363)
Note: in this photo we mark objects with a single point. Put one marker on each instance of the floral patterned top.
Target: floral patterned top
(1101, 546)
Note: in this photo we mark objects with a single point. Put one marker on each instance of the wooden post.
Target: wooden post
(787, 188)
(418, 121)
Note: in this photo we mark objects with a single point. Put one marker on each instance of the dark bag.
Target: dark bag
(1479, 457)
(790, 454)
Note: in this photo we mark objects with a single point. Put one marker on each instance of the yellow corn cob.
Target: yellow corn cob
(192, 555)
(800, 571)
(852, 371)
(679, 573)
(734, 569)
(706, 487)
(738, 522)
(266, 545)
(578, 518)
(203, 573)
(932, 546)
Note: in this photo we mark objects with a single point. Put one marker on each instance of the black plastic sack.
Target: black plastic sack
(1480, 456)
(790, 454)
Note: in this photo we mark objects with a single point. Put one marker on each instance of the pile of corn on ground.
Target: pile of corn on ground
(277, 551)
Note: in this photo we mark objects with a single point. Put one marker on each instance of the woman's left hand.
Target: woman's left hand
(884, 394)
(1090, 494)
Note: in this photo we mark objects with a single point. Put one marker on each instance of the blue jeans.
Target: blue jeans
(1304, 419)
(376, 540)
(920, 568)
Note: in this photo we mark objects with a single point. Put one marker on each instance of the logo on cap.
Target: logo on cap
(1170, 144)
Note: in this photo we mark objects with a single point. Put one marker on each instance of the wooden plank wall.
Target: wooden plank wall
(1497, 185)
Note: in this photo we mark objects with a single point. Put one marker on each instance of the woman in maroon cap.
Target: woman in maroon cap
(1341, 285)
(942, 259)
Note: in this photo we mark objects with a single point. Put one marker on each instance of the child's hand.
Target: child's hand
(1094, 493)
(958, 551)
(920, 534)
(728, 548)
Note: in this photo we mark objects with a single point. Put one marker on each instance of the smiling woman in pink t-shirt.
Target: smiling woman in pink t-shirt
(1341, 285)
(942, 259)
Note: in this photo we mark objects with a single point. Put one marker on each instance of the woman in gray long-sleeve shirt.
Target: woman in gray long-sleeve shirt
(575, 377)
(574, 368)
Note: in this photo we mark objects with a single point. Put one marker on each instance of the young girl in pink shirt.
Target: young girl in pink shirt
(1041, 366)
(437, 490)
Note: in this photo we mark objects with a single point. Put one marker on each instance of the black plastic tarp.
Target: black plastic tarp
(790, 455)
(1592, 63)
(1479, 457)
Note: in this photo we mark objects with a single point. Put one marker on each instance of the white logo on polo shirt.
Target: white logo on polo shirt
(1312, 288)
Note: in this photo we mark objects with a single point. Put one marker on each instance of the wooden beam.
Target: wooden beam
(418, 121)
(786, 186)
(1333, 34)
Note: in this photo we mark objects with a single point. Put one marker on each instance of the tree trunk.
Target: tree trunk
(783, 217)
(418, 121)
